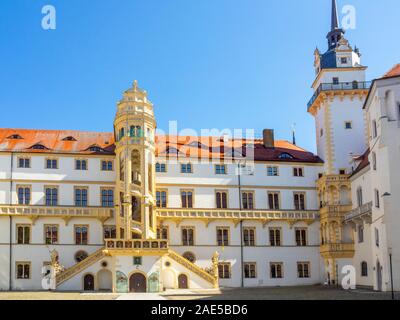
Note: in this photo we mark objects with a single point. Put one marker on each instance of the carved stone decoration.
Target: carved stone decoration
(55, 263)
(215, 259)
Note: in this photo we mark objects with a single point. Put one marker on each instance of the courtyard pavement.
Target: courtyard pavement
(276, 293)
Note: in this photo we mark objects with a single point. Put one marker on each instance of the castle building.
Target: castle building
(136, 211)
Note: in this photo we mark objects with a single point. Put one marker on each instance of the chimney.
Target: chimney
(268, 138)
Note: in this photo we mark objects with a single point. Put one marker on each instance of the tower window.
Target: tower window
(335, 80)
(343, 60)
(348, 125)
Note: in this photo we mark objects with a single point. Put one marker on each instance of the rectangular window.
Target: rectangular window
(51, 196)
(377, 237)
(162, 233)
(343, 60)
(249, 237)
(221, 199)
(81, 234)
(188, 236)
(299, 201)
(81, 164)
(222, 236)
(51, 234)
(272, 171)
(250, 270)
(220, 169)
(348, 125)
(360, 231)
(161, 167)
(374, 129)
(24, 162)
(301, 237)
(335, 80)
(161, 199)
(224, 270)
(23, 234)
(377, 200)
(23, 270)
(137, 261)
(24, 194)
(186, 168)
(110, 232)
(374, 166)
(303, 269)
(273, 200)
(107, 165)
(187, 198)
(248, 200)
(275, 239)
(342, 171)
(298, 172)
(276, 270)
(81, 197)
(51, 164)
(107, 197)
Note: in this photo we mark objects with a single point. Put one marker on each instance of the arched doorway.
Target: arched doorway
(379, 276)
(183, 281)
(104, 278)
(137, 283)
(88, 282)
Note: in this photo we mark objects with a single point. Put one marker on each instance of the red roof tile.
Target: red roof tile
(184, 146)
(394, 72)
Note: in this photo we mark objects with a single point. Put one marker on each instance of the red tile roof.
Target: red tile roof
(54, 141)
(364, 162)
(394, 72)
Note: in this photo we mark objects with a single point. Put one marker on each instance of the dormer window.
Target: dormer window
(95, 149)
(69, 138)
(15, 137)
(343, 60)
(285, 155)
(38, 147)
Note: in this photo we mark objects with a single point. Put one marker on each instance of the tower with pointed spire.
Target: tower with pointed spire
(340, 90)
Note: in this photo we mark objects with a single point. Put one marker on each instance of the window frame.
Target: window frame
(250, 243)
(301, 273)
(350, 123)
(24, 186)
(226, 192)
(188, 243)
(87, 234)
(24, 264)
(272, 172)
(160, 191)
(161, 165)
(220, 165)
(45, 234)
(160, 228)
(109, 226)
(51, 200)
(25, 158)
(107, 161)
(227, 274)
(224, 242)
(303, 241)
(51, 159)
(23, 225)
(274, 230)
(76, 164)
(299, 194)
(187, 202)
(275, 265)
(87, 196)
(252, 192)
(276, 206)
(186, 166)
(108, 202)
(298, 172)
(249, 265)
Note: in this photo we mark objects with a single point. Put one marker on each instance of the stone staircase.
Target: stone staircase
(75, 269)
(194, 268)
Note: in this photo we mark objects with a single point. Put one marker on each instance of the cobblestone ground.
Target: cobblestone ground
(281, 293)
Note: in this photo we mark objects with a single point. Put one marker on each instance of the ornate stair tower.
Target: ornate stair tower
(134, 128)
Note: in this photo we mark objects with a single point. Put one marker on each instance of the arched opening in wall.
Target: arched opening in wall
(88, 282)
(183, 282)
(168, 278)
(136, 209)
(104, 278)
(378, 276)
(364, 269)
(137, 283)
(136, 176)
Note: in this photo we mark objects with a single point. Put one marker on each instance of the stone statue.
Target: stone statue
(55, 262)
(214, 260)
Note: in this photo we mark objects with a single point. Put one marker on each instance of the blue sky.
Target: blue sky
(205, 63)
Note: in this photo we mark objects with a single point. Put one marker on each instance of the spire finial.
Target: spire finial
(294, 133)
(135, 85)
(335, 20)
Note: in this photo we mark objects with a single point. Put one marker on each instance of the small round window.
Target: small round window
(80, 256)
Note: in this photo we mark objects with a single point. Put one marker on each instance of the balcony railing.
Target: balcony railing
(360, 212)
(43, 211)
(294, 215)
(339, 248)
(339, 87)
(136, 244)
